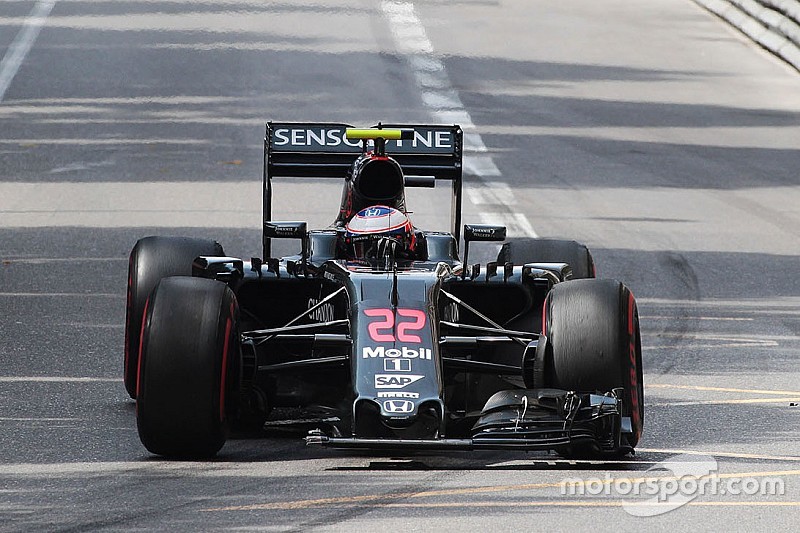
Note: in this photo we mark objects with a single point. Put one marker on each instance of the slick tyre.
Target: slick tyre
(189, 367)
(594, 344)
(523, 251)
(151, 259)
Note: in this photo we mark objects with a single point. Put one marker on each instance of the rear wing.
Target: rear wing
(321, 150)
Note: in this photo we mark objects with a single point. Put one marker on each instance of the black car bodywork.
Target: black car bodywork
(422, 353)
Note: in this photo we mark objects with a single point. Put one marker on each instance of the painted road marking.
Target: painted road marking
(714, 340)
(439, 95)
(785, 396)
(714, 318)
(22, 43)
(41, 419)
(724, 402)
(348, 500)
(785, 301)
(498, 193)
(720, 389)
(586, 503)
(58, 260)
(109, 204)
(94, 141)
(60, 295)
(56, 379)
(517, 224)
(717, 453)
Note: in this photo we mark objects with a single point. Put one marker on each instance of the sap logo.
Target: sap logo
(398, 395)
(393, 353)
(397, 365)
(391, 381)
(398, 406)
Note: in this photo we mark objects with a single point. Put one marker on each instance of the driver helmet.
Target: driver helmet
(367, 233)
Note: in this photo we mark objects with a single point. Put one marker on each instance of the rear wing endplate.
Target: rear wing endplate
(321, 150)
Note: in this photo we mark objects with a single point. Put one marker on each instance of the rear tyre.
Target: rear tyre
(151, 259)
(189, 367)
(594, 344)
(523, 251)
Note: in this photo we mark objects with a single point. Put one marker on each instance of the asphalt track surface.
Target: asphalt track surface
(650, 131)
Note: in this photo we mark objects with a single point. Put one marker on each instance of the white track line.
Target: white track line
(59, 295)
(56, 379)
(22, 44)
(439, 95)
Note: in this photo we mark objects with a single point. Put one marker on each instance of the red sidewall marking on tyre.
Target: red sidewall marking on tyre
(544, 315)
(128, 316)
(141, 345)
(633, 369)
(224, 376)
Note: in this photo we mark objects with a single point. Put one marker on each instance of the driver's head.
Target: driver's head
(370, 231)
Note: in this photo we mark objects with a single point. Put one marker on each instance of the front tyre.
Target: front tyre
(594, 344)
(151, 259)
(189, 367)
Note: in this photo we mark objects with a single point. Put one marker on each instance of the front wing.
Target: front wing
(525, 419)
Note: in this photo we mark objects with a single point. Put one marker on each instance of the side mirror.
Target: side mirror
(480, 232)
(289, 230)
(285, 230)
(484, 232)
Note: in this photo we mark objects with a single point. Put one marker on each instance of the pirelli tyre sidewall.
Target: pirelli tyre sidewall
(151, 259)
(594, 343)
(521, 251)
(188, 367)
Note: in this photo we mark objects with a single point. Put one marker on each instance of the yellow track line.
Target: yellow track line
(733, 455)
(587, 503)
(720, 389)
(344, 500)
(724, 402)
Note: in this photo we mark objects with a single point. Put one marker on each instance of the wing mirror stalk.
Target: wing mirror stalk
(290, 230)
(480, 233)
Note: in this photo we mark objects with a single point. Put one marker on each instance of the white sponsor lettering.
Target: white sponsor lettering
(397, 365)
(324, 137)
(281, 138)
(404, 352)
(317, 137)
(398, 394)
(333, 140)
(311, 137)
(430, 139)
(392, 381)
(297, 137)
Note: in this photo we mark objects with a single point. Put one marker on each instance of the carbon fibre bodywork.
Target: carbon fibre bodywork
(404, 358)
(423, 352)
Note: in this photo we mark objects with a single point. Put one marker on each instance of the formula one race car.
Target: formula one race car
(381, 329)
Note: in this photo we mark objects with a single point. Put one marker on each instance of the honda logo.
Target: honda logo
(398, 406)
